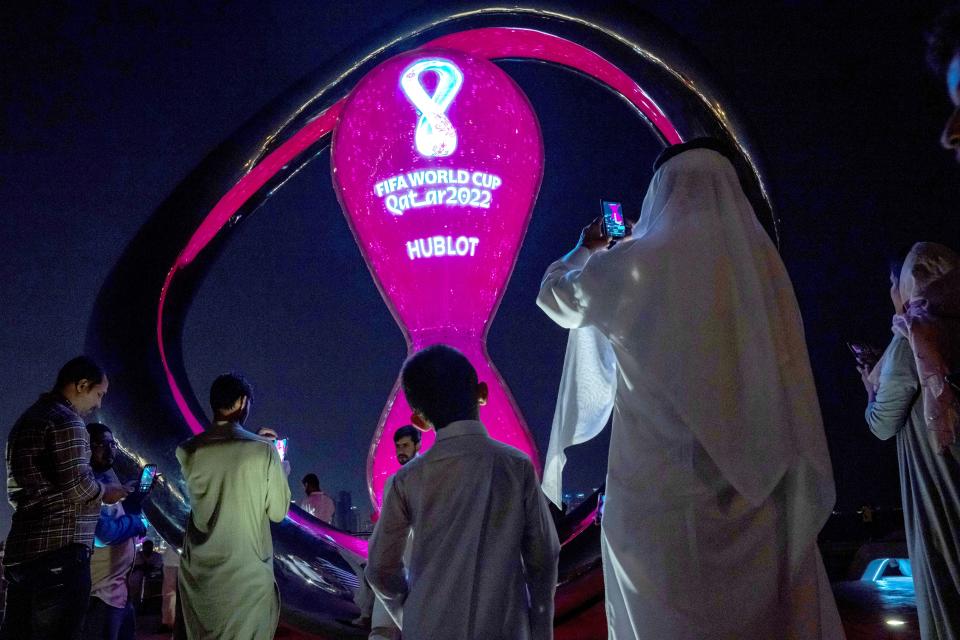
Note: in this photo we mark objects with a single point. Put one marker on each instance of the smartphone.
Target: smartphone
(147, 476)
(855, 349)
(864, 354)
(281, 445)
(614, 226)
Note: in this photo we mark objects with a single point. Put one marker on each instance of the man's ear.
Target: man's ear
(420, 422)
(83, 385)
(483, 392)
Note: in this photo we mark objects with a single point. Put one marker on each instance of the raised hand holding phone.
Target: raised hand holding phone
(281, 446)
(140, 488)
(614, 225)
(147, 478)
(592, 237)
(866, 355)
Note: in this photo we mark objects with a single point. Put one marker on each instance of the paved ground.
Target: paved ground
(882, 610)
(148, 628)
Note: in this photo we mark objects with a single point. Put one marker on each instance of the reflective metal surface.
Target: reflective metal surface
(136, 326)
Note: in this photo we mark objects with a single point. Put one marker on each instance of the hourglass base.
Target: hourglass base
(500, 416)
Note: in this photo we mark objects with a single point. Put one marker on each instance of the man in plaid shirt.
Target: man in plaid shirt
(56, 502)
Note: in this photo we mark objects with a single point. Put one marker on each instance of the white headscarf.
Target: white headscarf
(704, 316)
(930, 291)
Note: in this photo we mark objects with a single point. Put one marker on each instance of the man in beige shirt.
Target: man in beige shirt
(237, 486)
(483, 555)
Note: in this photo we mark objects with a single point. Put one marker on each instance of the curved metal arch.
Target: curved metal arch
(316, 566)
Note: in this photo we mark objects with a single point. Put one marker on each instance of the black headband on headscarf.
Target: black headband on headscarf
(714, 144)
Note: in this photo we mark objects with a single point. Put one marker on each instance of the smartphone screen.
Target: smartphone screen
(281, 445)
(613, 223)
(147, 476)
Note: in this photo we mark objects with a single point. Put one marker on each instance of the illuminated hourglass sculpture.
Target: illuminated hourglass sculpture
(437, 160)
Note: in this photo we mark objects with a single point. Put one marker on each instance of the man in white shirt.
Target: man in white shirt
(316, 502)
(483, 557)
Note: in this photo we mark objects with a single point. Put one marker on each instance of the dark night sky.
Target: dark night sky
(108, 106)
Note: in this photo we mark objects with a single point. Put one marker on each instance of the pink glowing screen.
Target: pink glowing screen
(486, 43)
(437, 160)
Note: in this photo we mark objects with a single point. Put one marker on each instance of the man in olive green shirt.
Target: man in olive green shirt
(237, 486)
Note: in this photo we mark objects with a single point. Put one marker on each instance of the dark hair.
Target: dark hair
(407, 431)
(943, 40)
(440, 383)
(97, 429)
(80, 368)
(227, 389)
(311, 479)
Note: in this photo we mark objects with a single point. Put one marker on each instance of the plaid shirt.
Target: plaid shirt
(50, 485)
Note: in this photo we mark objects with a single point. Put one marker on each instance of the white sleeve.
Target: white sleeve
(564, 292)
(385, 570)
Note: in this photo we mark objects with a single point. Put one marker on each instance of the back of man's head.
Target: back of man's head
(226, 390)
(441, 385)
(80, 368)
(311, 481)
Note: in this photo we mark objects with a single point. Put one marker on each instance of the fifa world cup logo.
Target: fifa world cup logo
(435, 135)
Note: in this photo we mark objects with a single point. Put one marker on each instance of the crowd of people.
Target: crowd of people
(686, 331)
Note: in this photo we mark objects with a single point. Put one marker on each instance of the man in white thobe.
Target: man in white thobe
(719, 478)
(483, 556)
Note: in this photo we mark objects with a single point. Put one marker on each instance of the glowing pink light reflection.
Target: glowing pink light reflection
(321, 530)
(490, 43)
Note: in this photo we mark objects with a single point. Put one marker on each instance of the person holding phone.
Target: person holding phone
(929, 475)
(110, 614)
(237, 486)
(718, 479)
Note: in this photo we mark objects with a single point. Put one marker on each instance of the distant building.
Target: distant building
(346, 516)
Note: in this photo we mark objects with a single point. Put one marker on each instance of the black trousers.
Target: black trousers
(47, 597)
(104, 622)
